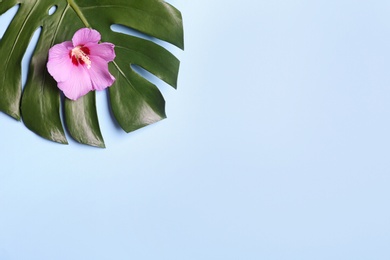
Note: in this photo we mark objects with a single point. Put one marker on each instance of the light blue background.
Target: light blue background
(276, 146)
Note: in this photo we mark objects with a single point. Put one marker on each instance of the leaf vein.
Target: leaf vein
(18, 35)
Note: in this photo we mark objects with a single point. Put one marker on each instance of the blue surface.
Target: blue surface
(276, 146)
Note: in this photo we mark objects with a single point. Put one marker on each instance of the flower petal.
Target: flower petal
(78, 84)
(101, 77)
(104, 50)
(84, 36)
(59, 63)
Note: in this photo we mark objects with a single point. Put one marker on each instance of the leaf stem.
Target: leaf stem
(76, 8)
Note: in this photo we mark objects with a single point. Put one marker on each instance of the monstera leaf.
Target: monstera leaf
(135, 102)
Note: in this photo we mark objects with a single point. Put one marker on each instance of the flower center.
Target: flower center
(79, 55)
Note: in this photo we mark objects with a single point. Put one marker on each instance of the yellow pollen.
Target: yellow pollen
(80, 55)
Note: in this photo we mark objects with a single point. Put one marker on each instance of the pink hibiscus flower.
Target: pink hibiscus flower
(81, 65)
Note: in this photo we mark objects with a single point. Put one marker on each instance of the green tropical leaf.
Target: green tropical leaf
(135, 102)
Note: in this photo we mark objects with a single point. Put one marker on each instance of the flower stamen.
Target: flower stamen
(80, 56)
